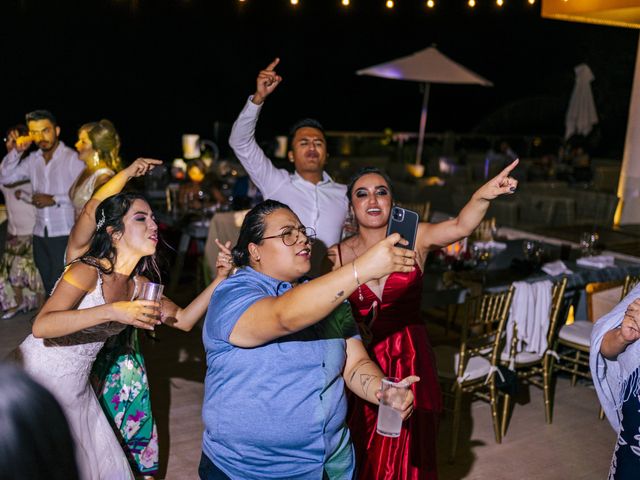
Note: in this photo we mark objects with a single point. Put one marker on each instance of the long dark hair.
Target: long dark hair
(252, 229)
(366, 171)
(110, 213)
(35, 440)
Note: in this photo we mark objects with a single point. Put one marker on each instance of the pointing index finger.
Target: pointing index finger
(273, 64)
(510, 167)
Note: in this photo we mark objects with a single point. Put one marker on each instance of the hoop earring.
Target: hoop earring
(96, 159)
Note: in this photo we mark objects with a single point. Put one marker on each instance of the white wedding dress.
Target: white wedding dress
(63, 366)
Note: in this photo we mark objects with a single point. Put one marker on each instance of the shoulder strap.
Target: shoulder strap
(135, 288)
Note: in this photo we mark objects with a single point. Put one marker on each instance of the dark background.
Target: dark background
(160, 68)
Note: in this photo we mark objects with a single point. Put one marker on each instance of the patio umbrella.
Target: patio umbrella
(426, 66)
(581, 114)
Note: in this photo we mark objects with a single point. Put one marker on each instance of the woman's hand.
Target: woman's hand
(138, 313)
(385, 258)
(502, 184)
(406, 409)
(630, 328)
(142, 166)
(224, 262)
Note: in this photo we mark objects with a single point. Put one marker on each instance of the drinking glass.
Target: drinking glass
(151, 291)
(394, 394)
(588, 243)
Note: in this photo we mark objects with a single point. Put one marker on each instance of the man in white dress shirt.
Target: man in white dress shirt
(318, 201)
(52, 169)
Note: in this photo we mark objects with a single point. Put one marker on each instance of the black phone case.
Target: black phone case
(405, 222)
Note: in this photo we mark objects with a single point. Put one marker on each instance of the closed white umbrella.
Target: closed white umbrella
(426, 66)
(581, 114)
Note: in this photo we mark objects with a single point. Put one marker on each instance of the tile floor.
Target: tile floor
(577, 446)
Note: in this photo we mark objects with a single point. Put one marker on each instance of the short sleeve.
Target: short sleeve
(349, 326)
(340, 323)
(230, 300)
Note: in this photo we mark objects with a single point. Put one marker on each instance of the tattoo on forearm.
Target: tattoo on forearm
(338, 296)
(355, 370)
(365, 382)
(365, 378)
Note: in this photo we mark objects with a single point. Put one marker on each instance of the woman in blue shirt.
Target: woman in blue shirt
(279, 357)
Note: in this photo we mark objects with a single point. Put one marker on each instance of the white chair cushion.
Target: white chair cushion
(447, 359)
(578, 332)
(522, 357)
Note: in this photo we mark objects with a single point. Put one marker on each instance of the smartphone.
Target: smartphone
(405, 222)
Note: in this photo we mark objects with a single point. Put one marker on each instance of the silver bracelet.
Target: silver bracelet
(355, 275)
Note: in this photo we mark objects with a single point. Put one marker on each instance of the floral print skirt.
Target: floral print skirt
(19, 275)
(120, 380)
(625, 464)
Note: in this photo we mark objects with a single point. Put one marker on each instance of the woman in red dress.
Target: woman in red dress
(388, 314)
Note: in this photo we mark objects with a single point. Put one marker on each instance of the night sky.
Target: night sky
(176, 66)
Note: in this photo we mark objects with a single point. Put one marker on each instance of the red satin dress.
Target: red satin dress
(401, 348)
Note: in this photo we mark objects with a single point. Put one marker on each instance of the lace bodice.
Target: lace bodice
(97, 334)
(74, 353)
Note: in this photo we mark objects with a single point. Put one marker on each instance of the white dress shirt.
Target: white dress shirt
(52, 178)
(322, 206)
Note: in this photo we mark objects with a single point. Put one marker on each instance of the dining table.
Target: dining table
(449, 283)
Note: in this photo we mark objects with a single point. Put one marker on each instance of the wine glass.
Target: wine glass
(588, 242)
(529, 248)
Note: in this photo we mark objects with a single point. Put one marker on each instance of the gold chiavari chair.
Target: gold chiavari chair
(573, 342)
(536, 368)
(471, 368)
(630, 281)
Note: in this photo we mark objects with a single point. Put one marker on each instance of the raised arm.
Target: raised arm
(11, 169)
(304, 305)
(436, 235)
(85, 226)
(242, 139)
(186, 318)
(59, 315)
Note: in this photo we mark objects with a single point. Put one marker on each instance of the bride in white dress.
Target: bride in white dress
(93, 300)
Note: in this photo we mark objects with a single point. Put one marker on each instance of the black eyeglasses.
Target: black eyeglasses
(290, 235)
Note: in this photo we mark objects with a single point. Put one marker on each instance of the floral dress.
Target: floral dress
(18, 272)
(20, 283)
(119, 378)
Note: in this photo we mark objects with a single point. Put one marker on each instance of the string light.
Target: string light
(499, 2)
(471, 3)
(531, 2)
(431, 3)
(390, 4)
(294, 2)
(345, 3)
